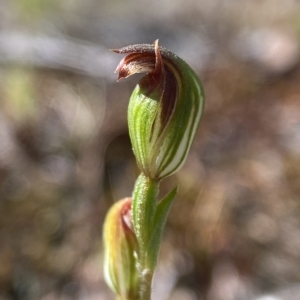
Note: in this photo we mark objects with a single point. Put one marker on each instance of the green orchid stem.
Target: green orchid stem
(145, 197)
(146, 285)
(149, 218)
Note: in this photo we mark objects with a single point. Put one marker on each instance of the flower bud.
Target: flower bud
(120, 251)
(164, 110)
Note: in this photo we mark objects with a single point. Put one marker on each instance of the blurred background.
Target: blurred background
(65, 155)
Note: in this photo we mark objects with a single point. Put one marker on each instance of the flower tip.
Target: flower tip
(123, 73)
(114, 50)
(155, 43)
(119, 77)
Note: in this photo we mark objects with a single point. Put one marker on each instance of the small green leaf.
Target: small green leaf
(160, 219)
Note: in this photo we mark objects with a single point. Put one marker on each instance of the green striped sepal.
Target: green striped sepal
(165, 108)
(120, 251)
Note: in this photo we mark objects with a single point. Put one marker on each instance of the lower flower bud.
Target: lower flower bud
(120, 251)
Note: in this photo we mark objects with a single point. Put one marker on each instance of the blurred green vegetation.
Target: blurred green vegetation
(19, 99)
